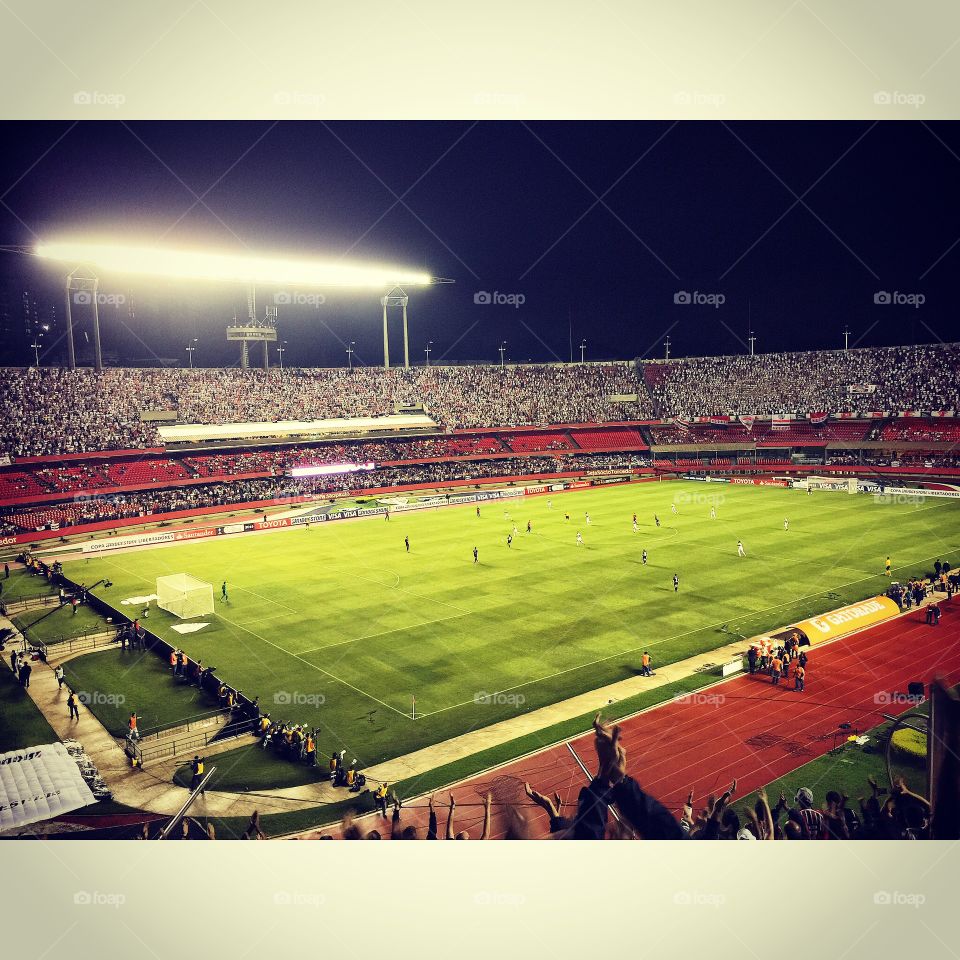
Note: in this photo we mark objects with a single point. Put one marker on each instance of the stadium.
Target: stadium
(704, 596)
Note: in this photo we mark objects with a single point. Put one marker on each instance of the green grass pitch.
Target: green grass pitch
(338, 626)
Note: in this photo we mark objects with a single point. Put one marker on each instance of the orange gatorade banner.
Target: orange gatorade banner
(845, 620)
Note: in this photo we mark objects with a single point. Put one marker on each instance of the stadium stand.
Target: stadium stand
(531, 442)
(889, 378)
(614, 438)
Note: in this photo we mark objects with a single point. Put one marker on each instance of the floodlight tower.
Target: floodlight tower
(395, 298)
(83, 288)
(254, 330)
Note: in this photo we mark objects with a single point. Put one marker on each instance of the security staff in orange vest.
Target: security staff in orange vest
(776, 664)
(645, 665)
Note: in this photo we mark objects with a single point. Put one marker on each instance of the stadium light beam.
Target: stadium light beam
(228, 267)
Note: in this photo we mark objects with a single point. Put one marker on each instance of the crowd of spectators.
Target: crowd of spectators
(890, 378)
(615, 806)
(51, 410)
(94, 508)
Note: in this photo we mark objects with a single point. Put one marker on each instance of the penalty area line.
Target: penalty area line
(384, 633)
(679, 636)
(313, 666)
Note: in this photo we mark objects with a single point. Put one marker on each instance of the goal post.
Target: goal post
(184, 596)
(839, 484)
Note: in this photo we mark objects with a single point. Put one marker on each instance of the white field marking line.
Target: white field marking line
(654, 643)
(313, 666)
(543, 750)
(217, 615)
(236, 586)
(418, 596)
(384, 633)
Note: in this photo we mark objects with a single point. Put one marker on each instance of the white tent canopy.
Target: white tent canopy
(38, 783)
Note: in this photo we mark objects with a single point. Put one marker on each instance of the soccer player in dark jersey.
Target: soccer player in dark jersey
(476, 555)
(656, 520)
(406, 543)
(643, 558)
(509, 539)
(676, 583)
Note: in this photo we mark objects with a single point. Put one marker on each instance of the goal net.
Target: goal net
(840, 484)
(184, 596)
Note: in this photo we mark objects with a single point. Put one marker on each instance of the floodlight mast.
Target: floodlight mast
(395, 298)
(83, 287)
(197, 266)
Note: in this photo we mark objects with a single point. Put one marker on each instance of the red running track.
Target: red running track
(745, 728)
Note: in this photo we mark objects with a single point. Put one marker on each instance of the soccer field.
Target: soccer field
(339, 626)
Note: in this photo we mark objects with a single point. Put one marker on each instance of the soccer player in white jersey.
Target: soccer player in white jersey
(786, 524)
(740, 551)
(579, 539)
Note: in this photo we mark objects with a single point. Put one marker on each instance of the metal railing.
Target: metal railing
(169, 749)
(214, 718)
(59, 647)
(13, 606)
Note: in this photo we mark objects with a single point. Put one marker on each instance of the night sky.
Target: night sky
(596, 225)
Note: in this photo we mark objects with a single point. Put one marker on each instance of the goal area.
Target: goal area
(184, 596)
